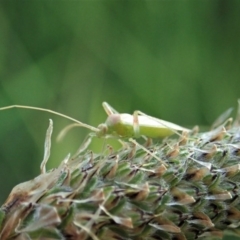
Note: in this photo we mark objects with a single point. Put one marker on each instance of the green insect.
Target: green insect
(136, 125)
(120, 125)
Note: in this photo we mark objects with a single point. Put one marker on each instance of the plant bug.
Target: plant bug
(136, 125)
(119, 125)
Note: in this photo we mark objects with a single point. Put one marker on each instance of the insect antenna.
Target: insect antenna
(53, 112)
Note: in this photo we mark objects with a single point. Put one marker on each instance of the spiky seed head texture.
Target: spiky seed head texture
(130, 195)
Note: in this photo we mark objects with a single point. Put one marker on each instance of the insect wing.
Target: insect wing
(150, 126)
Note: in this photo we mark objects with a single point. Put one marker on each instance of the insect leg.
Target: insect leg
(136, 128)
(147, 151)
(109, 109)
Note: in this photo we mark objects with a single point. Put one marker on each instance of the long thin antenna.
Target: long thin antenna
(63, 132)
(53, 112)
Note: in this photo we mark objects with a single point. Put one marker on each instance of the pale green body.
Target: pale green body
(123, 125)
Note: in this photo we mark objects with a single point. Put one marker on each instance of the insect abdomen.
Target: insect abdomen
(155, 132)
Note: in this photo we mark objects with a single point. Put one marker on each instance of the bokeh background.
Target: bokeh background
(175, 60)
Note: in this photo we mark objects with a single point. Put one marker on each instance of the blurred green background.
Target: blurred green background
(175, 60)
